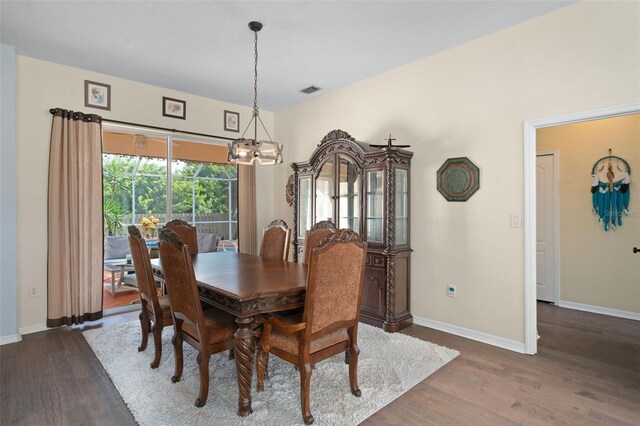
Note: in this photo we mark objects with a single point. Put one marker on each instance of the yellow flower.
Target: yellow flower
(148, 224)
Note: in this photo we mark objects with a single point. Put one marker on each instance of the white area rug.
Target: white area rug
(389, 365)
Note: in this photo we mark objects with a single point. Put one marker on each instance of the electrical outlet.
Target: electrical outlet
(451, 290)
(516, 221)
(33, 292)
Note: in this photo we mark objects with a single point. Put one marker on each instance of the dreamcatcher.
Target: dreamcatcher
(610, 190)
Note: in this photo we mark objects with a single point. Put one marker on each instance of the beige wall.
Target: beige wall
(42, 85)
(472, 101)
(596, 267)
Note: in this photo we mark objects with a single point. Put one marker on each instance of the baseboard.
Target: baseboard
(600, 310)
(33, 329)
(489, 339)
(11, 338)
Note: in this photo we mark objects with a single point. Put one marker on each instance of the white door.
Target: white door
(545, 217)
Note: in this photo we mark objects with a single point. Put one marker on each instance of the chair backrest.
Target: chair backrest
(207, 243)
(188, 234)
(180, 279)
(144, 273)
(314, 237)
(334, 283)
(275, 240)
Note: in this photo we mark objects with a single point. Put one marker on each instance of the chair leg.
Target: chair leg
(177, 349)
(262, 363)
(232, 354)
(203, 363)
(157, 341)
(346, 357)
(144, 324)
(305, 381)
(354, 351)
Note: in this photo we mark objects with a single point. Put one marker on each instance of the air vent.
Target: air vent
(310, 90)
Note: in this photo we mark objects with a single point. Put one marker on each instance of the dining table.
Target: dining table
(246, 286)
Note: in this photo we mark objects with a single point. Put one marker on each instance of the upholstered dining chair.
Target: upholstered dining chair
(209, 331)
(315, 235)
(275, 240)
(329, 323)
(188, 234)
(154, 309)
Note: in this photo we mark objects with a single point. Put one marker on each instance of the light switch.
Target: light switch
(516, 221)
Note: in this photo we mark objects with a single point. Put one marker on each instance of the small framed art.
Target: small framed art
(174, 108)
(97, 95)
(231, 121)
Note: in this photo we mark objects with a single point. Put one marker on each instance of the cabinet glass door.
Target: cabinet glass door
(349, 195)
(304, 207)
(375, 206)
(402, 206)
(324, 192)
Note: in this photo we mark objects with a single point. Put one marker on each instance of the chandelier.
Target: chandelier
(248, 151)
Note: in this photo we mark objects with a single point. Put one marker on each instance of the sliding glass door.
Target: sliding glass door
(204, 193)
(168, 178)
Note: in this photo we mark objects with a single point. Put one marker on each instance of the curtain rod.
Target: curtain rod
(166, 129)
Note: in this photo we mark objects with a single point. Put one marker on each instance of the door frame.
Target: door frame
(556, 219)
(529, 128)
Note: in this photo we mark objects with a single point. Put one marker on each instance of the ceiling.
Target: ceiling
(205, 47)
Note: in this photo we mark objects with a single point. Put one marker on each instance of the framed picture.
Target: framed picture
(97, 95)
(174, 108)
(231, 121)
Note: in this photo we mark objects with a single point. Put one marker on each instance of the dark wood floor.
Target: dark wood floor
(587, 372)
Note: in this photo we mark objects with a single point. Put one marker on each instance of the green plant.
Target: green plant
(116, 175)
(112, 217)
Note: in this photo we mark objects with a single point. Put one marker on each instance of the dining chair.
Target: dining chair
(209, 331)
(188, 234)
(154, 309)
(329, 323)
(315, 235)
(275, 240)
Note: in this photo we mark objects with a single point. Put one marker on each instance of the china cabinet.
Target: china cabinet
(365, 188)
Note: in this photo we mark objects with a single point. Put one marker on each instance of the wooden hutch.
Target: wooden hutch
(365, 188)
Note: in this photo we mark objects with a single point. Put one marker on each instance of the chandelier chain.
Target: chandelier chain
(255, 75)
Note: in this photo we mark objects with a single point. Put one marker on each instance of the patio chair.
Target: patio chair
(207, 243)
(116, 250)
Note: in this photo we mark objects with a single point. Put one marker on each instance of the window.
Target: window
(140, 174)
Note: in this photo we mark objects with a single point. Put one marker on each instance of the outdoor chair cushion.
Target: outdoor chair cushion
(116, 247)
(207, 243)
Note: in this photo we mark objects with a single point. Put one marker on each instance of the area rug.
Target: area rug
(389, 365)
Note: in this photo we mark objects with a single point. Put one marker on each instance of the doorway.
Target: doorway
(530, 206)
(547, 227)
(150, 178)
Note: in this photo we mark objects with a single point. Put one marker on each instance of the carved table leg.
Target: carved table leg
(244, 353)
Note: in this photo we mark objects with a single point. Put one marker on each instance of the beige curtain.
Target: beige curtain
(247, 240)
(74, 293)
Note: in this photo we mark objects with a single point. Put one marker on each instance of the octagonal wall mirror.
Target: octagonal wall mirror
(458, 179)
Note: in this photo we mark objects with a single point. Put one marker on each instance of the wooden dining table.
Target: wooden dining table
(245, 286)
